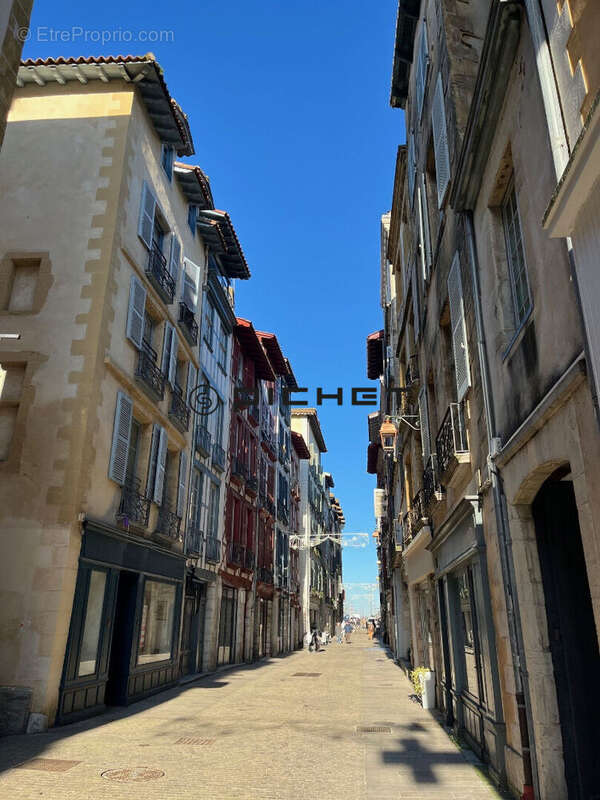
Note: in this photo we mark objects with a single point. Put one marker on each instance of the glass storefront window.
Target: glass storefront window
(88, 653)
(156, 629)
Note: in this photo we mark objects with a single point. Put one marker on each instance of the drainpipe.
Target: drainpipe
(506, 558)
(559, 146)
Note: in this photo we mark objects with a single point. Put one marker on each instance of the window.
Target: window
(136, 314)
(515, 255)
(411, 167)
(18, 293)
(209, 323)
(440, 141)
(88, 653)
(12, 377)
(132, 455)
(221, 334)
(459, 330)
(192, 218)
(157, 465)
(196, 499)
(219, 418)
(191, 282)
(156, 628)
(213, 510)
(422, 69)
(120, 444)
(167, 156)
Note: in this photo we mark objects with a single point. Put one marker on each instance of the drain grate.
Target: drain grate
(132, 774)
(373, 729)
(48, 764)
(194, 741)
(306, 674)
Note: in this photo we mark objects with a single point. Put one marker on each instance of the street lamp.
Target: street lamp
(388, 434)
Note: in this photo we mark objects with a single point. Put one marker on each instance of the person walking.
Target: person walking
(314, 642)
(338, 632)
(348, 630)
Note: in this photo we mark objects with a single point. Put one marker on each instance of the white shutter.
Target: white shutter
(421, 74)
(416, 301)
(166, 350)
(120, 442)
(160, 466)
(424, 424)
(424, 232)
(181, 484)
(410, 167)
(192, 380)
(175, 258)
(146, 221)
(459, 331)
(191, 282)
(173, 358)
(440, 141)
(135, 314)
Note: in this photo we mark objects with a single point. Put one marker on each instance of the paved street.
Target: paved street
(284, 729)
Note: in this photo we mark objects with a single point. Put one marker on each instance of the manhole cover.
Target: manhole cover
(48, 764)
(306, 674)
(133, 774)
(373, 729)
(192, 740)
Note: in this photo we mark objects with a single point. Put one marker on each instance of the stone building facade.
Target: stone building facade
(14, 30)
(490, 485)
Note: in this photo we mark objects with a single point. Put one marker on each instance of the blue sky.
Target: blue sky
(288, 103)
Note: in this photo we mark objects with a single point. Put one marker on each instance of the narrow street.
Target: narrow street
(286, 728)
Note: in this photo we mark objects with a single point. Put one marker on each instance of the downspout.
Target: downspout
(559, 147)
(506, 561)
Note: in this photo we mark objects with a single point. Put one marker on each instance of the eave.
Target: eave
(276, 357)
(313, 419)
(231, 253)
(375, 355)
(406, 24)
(300, 445)
(194, 184)
(251, 347)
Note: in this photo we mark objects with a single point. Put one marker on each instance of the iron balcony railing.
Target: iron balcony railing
(415, 518)
(148, 373)
(179, 410)
(159, 275)
(238, 468)
(168, 522)
(236, 554)
(188, 324)
(194, 540)
(451, 440)
(218, 457)
(249, 559)
(203, 440)
(134, 508)
(264, 575)
(431, 484)
(212, 550)
(268, 440)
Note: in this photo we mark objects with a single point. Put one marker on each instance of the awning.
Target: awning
(276, 357)
(232, 255)
(300, 445)
(375, 355)
(252, 348)
(194, 184)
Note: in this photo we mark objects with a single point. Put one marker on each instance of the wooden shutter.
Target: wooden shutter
(181, 483)
(410, 167)
(161, 460)
(172, 374)
(459, 331)
(135, 314)
(175, 258)
(147, 211)
(120, 442)
(166, 351)
(421, 74)
(424, 231)
(416, 301)
(191, 282)
(192, 380)
(440, 141)
(424, 424)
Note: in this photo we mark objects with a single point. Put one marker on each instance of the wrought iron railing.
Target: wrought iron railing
(203, 440)
(179, 410)
(148, 373)
(134, 507)
(268, 440)
(431, 484)
(452, 437)
(236, 554)
(168, 522)
(212, 551)
(159, 275)
(194, 540)
(264, 575)
(218, 457)
(238, 468)
(188, 324)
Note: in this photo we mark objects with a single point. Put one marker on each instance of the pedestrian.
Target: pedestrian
(338, 632)
(370, 630)
(348, 631)
(314, 642)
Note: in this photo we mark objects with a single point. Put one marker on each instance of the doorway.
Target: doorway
(122, 639)
(227, 626)
(571, 631)
(192, 636)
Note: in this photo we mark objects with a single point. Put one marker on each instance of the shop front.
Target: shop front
(124, 634)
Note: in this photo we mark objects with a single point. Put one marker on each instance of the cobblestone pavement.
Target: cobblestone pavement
(258, 731)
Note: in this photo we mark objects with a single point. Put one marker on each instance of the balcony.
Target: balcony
(188, 324)
(415, 518)
(432, 490)
(218, 457)
(179, 411)
(194, 540)
(283, 514)
(236, 554)
(168, 523)
(238, 470)
(268, 443)
(264, 575)
(212, 550)
(267, 504)
(148, 373)
(203, 441)
(249, 559)
(451, 445)
(159, 275)
(134, 508)
(252, 485)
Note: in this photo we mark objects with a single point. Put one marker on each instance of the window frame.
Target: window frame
(519, 319)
